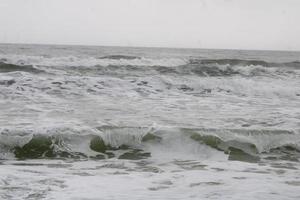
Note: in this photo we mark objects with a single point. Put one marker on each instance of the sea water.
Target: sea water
(83, 122)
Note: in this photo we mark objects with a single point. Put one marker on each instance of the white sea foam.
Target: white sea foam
(114, 180)
(72, 96)
(69, 61)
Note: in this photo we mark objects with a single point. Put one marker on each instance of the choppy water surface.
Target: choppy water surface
(80, 122)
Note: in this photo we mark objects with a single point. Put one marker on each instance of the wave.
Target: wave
(240, 62)
(44, 88)
(74, 61)
(229, 67)
(188, 69)
(131, 142)
(128, 65)
(119, 57)
(134, 61)
(5, 67)
(295, 64)
(230, 62)
(138, 70)
(248, 145)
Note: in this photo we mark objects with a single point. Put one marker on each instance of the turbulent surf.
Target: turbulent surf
(163, 122)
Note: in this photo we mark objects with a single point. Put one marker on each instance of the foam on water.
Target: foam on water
(69, 61)
(114, 141)
(128, 123)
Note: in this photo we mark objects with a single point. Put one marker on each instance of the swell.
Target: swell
(5, 67)
(201, 70)
(229, 67)
(233, 62)
(119, 57)
(135, 70)
(131, 142)
(121, 65)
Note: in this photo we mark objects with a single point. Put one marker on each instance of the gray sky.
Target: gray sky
(238, 24)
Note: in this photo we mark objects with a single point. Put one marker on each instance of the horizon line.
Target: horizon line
(137, 46)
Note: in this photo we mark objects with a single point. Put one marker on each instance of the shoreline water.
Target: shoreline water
(119, 123)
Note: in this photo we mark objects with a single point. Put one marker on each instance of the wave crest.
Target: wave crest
(134, 65)
(5, 67)
(130, 142)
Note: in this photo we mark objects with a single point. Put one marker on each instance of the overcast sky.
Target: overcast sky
(230, 24)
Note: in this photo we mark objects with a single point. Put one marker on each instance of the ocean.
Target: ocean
(89, 122)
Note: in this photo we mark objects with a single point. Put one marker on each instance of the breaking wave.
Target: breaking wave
(129, 142)
(133, 65)
(73, 61)
(295, 64)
